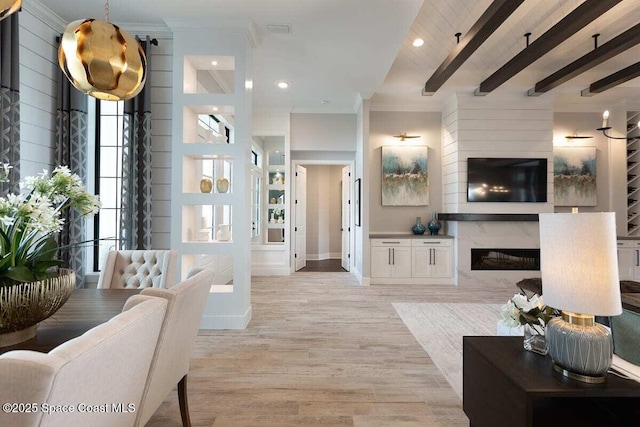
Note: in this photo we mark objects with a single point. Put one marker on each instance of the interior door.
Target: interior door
(300, 229)
(346, 216)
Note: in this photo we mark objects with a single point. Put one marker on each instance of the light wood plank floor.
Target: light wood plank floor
(322, 350)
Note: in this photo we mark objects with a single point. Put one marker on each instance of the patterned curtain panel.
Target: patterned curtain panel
(71, 151)
(10, 101)
(135, 216)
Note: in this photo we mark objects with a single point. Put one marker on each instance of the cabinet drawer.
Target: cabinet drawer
(391, 242)
(431, 242)
(626, 243)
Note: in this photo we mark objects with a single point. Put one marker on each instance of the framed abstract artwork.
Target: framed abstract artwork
(405, 176)
(574, 176)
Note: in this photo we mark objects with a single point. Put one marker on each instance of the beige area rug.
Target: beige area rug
(439, 329)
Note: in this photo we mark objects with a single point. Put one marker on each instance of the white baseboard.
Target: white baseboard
(226, 322)
(324, 256)
(365, 281)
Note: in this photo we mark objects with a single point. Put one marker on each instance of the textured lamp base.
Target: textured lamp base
(580, 348)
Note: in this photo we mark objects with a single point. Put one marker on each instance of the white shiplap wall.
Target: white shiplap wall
(38, 69)
(509, 126)
(161, 80)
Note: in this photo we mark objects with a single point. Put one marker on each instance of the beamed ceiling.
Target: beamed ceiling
(439, 20)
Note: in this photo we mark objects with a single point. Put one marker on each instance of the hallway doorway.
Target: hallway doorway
(324, 266)
(322, 217)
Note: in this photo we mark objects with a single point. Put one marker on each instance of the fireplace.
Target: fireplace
(505, 259)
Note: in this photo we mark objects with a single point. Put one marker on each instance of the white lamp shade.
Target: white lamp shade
(579, 263)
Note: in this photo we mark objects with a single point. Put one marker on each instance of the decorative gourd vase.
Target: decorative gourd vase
(434, 225)
(418, 228)
(222, 185)
(223, 234)
(206, 185)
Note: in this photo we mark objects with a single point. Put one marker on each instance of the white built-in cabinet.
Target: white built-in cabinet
(412, 260)
(432, 258)
(391, 258)
(629, 259)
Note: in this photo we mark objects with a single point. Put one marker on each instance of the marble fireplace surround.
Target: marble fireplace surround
(479, 231)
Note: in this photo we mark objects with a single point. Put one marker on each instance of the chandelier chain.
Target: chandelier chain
(106, 10)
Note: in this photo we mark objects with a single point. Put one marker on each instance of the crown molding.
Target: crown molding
(158, 31)
(44, 14)
(243, 26)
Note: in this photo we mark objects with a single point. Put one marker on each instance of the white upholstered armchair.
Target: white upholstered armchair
(170, 365)
(138, 269)
(108, 364)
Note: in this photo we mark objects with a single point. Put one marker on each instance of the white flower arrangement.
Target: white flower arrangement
(525, 310)
(29, 220)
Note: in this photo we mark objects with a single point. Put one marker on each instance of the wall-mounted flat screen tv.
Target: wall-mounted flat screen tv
(506, 180)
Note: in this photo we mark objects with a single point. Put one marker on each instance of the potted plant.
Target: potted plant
(32, 286)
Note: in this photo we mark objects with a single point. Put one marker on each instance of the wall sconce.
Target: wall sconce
(575, 135)
(102, 60)
(404, 136)
(605, 127)
(7, 7)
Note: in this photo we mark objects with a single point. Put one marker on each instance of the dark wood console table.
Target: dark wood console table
(505, 385)
(85, 309)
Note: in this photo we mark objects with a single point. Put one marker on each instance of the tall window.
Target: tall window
(108, 176)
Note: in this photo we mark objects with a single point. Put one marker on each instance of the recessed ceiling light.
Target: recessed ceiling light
(283, 84)
(214, 62)
(215, 108)
(418, 42)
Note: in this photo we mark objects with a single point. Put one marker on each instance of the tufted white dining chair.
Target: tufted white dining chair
(138, 269)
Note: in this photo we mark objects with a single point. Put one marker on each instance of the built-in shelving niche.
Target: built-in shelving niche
(209, 74)
(633, 174)
(202, 222)
(201, 172)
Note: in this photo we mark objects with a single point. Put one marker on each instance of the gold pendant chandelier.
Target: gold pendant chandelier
(102, 60)
(7, 7)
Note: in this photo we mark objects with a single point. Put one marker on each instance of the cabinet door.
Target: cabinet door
(626, 263)
(636, 264)
(442, 265)
(380, 261)
(422, 259)
(401, 262)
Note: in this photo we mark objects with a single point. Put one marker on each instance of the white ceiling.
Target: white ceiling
(338, 49)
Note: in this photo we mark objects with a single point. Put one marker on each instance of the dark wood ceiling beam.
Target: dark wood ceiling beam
(580, 17)
(613, 47)
(491, 19)
(612, 80)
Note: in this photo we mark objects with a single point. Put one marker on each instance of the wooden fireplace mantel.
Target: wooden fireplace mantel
(487, 217)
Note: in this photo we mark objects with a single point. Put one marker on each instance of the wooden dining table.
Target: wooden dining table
(85, 309)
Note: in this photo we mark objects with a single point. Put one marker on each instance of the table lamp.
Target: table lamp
(579, 266)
